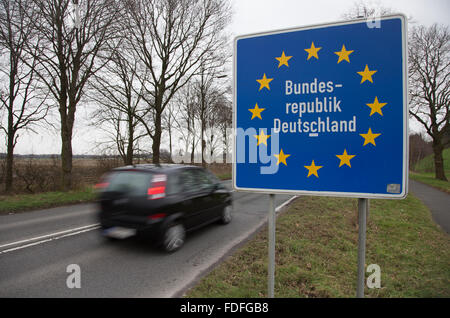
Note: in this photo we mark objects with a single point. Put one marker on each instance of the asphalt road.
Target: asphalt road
(37, 247)
(437, 201)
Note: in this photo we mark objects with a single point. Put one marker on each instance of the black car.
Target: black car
(161, 202)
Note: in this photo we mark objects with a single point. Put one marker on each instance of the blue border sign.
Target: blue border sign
(323, 110)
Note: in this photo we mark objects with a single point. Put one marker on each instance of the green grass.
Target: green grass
(424, 172)
(427, 163)
(316, 253)
(24, 202)
(224, 176)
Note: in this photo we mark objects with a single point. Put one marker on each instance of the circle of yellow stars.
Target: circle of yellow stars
(313, 52)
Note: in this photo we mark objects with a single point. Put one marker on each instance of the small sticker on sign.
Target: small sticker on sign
(393, 188)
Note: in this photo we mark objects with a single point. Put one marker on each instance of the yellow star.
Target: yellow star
(283, 59)
(369, 137)
(345, 159)
(312, 169)
(282, 157)
(312, 51)
(366, 75)
(343, 54)
(376, 107)
(262, 138)
(256, 111)
(264, 82)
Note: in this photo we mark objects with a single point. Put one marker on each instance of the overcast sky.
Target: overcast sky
(250, 16)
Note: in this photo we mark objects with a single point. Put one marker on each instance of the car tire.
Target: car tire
(173, 237)
(227, 215)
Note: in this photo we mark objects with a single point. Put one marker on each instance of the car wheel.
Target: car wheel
(173, 237)
(226, 215)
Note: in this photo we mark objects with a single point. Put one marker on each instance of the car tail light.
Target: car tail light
(101, 185)
(158, 187)
(156, 216)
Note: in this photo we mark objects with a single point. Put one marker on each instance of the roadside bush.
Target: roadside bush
(105, 164)
(36, 175)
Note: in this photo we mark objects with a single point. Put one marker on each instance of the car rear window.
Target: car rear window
(131, 182)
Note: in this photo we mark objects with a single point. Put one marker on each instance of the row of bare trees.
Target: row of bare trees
(166, 49)
(152, 68)
(204, 115)
(129, 57)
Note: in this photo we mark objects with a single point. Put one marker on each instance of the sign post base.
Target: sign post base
(271, 266)
(363, 207)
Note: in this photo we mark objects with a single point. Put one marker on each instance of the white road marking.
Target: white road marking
(47, 238)
(278, 208)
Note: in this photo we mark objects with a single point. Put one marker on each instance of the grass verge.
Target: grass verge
(428, 178)
(316, 253)
(427, 163)
(24, 202)
(224, 176)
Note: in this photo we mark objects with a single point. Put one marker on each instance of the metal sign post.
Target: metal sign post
(363, 206)
(271, 266)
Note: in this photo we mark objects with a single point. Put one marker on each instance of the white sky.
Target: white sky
(250, 16)
(263, 15)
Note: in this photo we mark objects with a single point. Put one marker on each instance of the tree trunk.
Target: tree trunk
(66, 160)
(66, 146)
(157, 138)
(193, 150)
(129, 154)
(203, 144)
(170, 140)
(225, 144)
(212, 148)
(9, 161)
(192, 131)
(11, 130)
(438, 148)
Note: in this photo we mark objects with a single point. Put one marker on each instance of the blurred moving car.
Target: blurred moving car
(161, 202)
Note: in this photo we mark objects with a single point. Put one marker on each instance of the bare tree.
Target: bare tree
(429, 82)
(208, 97)
(224, 121)
(185, 122)
(169, 121)
(18, 98)
(171, 38)
(216, 125)
(117, 93)
(68, 54)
